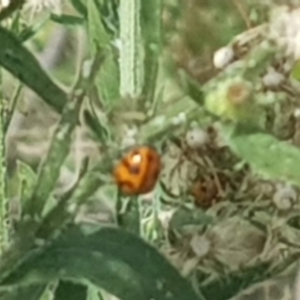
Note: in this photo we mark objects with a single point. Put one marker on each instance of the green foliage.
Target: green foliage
(3, 183)
(107, 81)
(152, 37)
(271, 158)
(51, 256)
(21, 63)
(113, 259)
(67, 20)
(27, 180)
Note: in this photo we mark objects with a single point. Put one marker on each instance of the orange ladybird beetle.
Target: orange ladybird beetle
(138, 171)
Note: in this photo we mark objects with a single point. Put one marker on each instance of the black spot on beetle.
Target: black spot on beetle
(134, 170)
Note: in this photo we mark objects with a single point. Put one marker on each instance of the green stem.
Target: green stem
(13, 104)
(4, 228)
(131, 65)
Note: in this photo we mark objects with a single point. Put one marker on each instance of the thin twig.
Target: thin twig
(242, 10)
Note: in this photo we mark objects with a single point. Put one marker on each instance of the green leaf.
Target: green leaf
(271, 158)
(33, 292)
(113, 259)
(151, 32)
(80, 6)
(107, 81)
(67, 19)
(57, 153)
(100, 131)
(68, 290)
(27, 181)
(98, 37)
(15, 58)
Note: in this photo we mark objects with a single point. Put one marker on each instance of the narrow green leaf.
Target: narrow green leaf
(151, 32)
(67, 19)
(97, 128)
(107, 81)
(271, 158)
(80, 6)
(57, 153)
(98, 37)
(4, 228)
(27, 180)
(113, 259)
(67, 290)
(15, 58)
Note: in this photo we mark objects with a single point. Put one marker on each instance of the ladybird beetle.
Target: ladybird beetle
(138, 171)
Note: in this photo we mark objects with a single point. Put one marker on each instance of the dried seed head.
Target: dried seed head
(284, 198)
(272, 79)
(238, 93)
(200, 245)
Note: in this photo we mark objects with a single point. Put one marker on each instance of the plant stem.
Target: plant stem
(4, 229)
(131, 64)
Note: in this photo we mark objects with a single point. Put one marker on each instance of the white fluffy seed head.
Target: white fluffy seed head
(196, 138)
(272, 79)
(223, 57)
